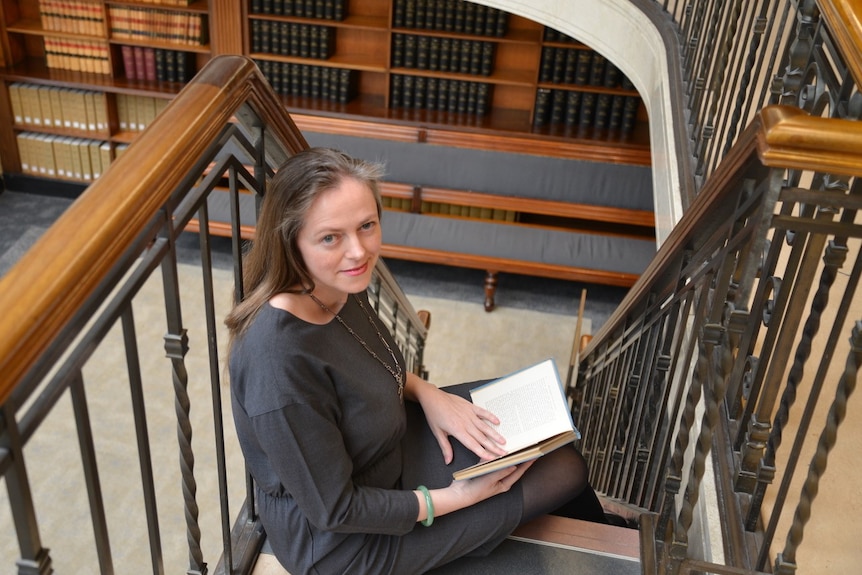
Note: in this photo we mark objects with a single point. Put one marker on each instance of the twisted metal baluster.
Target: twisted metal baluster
(785, 563)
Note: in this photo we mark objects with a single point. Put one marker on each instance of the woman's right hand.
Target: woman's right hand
(467, 492)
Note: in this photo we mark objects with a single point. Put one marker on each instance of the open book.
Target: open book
(533, 412)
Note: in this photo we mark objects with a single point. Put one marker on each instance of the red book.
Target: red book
(150, 64)
(129, 62)
(140, 68)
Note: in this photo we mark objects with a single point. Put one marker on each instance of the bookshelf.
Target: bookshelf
(485, 77)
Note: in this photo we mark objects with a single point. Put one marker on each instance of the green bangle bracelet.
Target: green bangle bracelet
(429, 506)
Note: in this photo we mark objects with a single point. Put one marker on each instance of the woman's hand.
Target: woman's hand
(449, 414)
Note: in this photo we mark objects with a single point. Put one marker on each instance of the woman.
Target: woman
(352, 456)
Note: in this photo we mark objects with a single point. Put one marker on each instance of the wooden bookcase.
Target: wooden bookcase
(362, 48)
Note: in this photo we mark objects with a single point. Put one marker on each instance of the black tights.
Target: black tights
(558, 484)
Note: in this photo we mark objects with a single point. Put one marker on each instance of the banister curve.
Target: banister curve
(41, 293)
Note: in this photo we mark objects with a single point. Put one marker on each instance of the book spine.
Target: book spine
(573, 108)
(541, 109)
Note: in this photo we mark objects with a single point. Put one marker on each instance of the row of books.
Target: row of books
(443, 54)
(148, 24)
(440, 94)
(135, 113)
(321, 82)
(586, 109)
(580, 66)
(77, 55)
(55, 107)
(74, 16)
(292, 39)
(322, 9)
(444, 208)
(552, 35)
(157, 64)
(52, 156)
(451, 16)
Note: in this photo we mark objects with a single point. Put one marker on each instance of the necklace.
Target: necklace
(397, 372)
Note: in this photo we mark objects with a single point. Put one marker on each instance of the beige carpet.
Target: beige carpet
(465, 343)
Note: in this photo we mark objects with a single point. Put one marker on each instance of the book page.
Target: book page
(530, 404)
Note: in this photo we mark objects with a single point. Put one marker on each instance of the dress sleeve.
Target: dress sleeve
(308, 455)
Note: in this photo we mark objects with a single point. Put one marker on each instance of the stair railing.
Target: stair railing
(70, 299)
(711, 349)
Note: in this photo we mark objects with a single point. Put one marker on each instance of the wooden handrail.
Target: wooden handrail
(42, 292)
(782, 136)
(842, 19)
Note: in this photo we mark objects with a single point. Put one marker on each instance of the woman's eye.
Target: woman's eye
(328, 239)
(368, 225)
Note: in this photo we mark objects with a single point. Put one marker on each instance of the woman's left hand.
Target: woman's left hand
(449, 414)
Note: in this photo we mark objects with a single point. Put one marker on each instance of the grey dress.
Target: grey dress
(335, 455)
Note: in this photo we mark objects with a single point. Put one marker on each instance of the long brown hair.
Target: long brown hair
(273, 262)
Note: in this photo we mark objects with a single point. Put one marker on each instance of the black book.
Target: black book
(480, 15)
(410, 47)
(310, 8)
(469, 17)
(420, 14)
(256, 6)
(466, 53)
(408, 91)
(431, 94)
(558, 106)
(314, 42)
(571, 66)
(630, 113)
(419, 92)
(326, 83)
(305, 41)
(588, 107)
(320, 9)
(559, 68)
(460, 8)
(423, 45)
(398, 50)
(161, 65)
(293, 39)
(327, 42)
(452, 95)
(546, 68)
(266, 6)
(488, 49)
(616, 116)
(340, 13)
(445, 54)
(550, 35)
(582, 72)
(490, 22)
(612, 76)
(602, 114)
(472, 97)
(573, 108)
(443, 95)
(186, 66)
(303, 83)
(171, 66)
(449, 8)
(597, 70)
(439, 14)
(398, 14)
(463, 90)
(255, 35)
(295, 79)
(277, 79)
(315, 81)
(345, 85)
(284, 38)
(410, 13)
(502, 23)
(265, 35)
(483, 98)
(626, 83)
(396, 91)
(299, 10)
(476, 58)
(434, 53)
(541, 110)
(287, 7)
(277, 7)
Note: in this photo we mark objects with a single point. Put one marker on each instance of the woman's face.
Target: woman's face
(340, 240)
